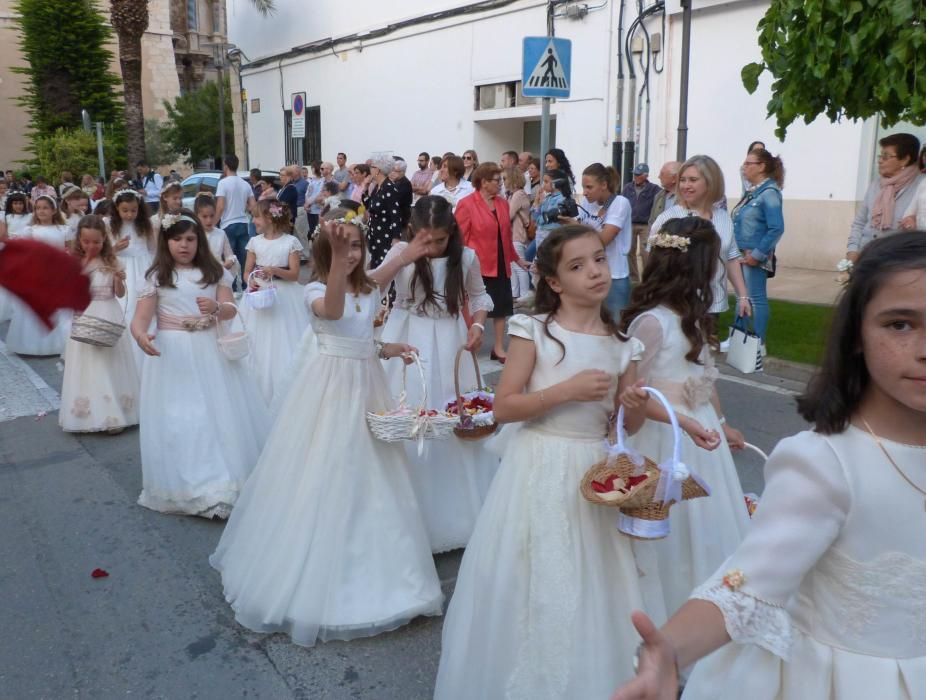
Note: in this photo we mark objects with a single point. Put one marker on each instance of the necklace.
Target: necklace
(893, 463)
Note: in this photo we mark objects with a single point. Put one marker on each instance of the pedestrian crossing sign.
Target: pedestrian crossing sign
(546, 66)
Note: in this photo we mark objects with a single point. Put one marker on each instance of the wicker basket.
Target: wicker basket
(232, 344)
(644, 505)
(411, 424)
(262, 298)
(466, 428)
(97, 331)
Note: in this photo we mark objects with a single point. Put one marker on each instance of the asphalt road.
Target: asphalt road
(158, 626)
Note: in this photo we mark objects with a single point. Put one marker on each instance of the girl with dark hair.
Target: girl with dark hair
(825, 594)
(668, 313)
(327, 541)
(555, 159)
(99, 391)
(203, 422)
(15, 220)
(546, 576)
(431, 295)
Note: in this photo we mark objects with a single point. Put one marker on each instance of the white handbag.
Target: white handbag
(745, 351)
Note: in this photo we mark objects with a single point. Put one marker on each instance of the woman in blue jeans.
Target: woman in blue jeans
(758, 224)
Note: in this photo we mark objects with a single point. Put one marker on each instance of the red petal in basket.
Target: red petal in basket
(599, 487)
(99, 573)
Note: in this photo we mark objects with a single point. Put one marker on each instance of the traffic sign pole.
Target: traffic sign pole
(545, 105)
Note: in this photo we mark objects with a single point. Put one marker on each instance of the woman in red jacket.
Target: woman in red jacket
(486, 227)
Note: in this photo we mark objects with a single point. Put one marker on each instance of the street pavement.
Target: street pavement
(158, 626)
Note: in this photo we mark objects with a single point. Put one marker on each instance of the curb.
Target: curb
(795, 371)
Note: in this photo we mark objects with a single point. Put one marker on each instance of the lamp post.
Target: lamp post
(218, 58)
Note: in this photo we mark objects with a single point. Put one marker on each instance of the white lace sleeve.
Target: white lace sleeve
(804, 505)
(647, 330)
(479, 299)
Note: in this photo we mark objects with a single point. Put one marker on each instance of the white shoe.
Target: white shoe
(762, 350)
(725, 345)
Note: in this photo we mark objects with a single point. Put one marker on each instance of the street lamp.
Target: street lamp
(218, 58)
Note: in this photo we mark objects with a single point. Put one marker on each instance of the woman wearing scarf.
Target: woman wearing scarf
(888, 197)
(758, 224)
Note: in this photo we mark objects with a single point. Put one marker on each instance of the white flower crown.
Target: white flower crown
(126, 191)
(669, 240)
(353, 218)
(169, 220)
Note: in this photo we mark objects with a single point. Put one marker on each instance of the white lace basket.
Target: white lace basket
(97, 331)
(262, 298)
(232, 344)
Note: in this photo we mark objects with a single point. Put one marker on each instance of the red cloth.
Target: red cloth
(480, 232)
(46, 279)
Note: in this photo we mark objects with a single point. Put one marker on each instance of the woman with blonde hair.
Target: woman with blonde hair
(470, 162)
(519, 211)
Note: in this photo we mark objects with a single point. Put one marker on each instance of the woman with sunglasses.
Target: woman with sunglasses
(470, 163)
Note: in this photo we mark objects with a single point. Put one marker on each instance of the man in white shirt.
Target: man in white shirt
(149, 182)
(233, 200)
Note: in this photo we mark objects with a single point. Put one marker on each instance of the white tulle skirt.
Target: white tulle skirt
(452, 477)
(543, 598)
(135, 268)
(275, 334)
(705, 531)
(101, 386)
(27, 335)
(203, 425)
(326, 541)
(6, 305)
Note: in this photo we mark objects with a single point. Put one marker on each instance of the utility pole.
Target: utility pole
(682, 148)
(218, 56)
(545, 101)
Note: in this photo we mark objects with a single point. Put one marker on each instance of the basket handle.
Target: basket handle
(456, 375)
(254, 272)
(672, 472)
(218, 321)
(424, 385)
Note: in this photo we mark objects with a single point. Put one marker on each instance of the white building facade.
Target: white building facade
(437, 75)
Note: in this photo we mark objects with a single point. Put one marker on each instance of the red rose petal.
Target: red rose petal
(99, 573)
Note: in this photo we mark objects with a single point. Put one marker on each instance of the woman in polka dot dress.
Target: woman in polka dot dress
(385, 214)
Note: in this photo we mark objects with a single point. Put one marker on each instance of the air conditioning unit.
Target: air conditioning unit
(521, 99)
(493, 96)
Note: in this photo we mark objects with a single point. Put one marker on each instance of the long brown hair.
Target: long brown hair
(169, 187)
(681, 280)
(836, 390)
(771, 166)
(358, 281)
(163, 267)
(57, 218)
(107, 254)
(437, 213)
(142, 218)
(547, 301)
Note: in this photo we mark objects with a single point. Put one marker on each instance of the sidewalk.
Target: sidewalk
(806, 286)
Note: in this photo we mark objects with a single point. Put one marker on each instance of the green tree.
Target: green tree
(158, 150)
(192, 124)
(64, 44)
(75, 150)
(843, 58)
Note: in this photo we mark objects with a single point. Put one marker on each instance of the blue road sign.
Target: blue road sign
(546, 67)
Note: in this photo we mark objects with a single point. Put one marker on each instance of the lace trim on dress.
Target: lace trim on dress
(544, 655)
(748, 619)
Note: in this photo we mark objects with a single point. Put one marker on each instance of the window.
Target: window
(192, 16)
(191, 185)
(302, 151)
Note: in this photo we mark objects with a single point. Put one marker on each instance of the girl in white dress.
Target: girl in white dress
(327, 541)
(451, 479)
(546, 577)
(170, 202)
(134, 242)
(27, 335)
(275, 331)
(100, 387)
(826, 596)
(75, 204)
(203, 423)
(204, 208)
(15, 220)
(668, 313)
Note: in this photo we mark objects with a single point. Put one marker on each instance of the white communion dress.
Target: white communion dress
(547, 582)
(136, 258)
(27, 335)
(101, 385)
(827, 593)
(203, 423)
(452, 477)
(704, 531)
(275, 331)
(326, 541)
(15, 223)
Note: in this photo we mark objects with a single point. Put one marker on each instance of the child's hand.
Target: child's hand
(589, 385)
(146, 343)
(418, 247)
(474, 338)
(908, 222)
(119, 275)
(122, 244)
(635, 396)
(403, 350)
(339, 237)
(735, 438)
(702, 437)
(207, 306)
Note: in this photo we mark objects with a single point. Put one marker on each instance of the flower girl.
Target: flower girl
(75, 204)
(100, 387)
(668, 313)
(327, 541)
(170, 202)
(15, 220)
(202, 421)
(204, 208)
(134, 242)
(546, 577)
(273, 257)
(825, 596)
(452, 479)
(27, 335)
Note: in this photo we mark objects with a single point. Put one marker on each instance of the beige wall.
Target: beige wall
(14, 119)
(815, 233)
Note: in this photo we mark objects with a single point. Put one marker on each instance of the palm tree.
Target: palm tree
(130, 20)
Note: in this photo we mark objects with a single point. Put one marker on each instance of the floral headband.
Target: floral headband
(351, 217)
(126, 192)
(170, 186)
(169, 220)
(276, 210)
(669, 240)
